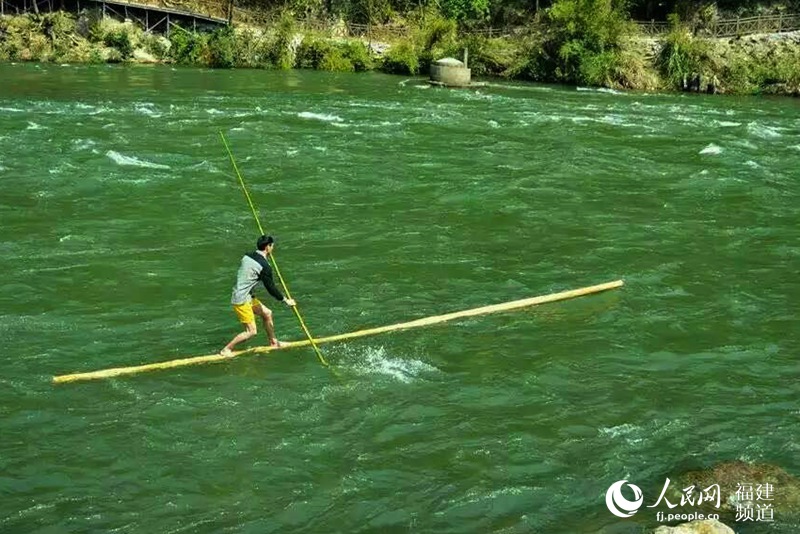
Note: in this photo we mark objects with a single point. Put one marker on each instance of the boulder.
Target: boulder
(785, 493)
(706, 526)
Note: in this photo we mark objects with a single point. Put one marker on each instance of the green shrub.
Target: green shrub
(632, 69)
(531, 62)
(39, 48)
(156, 45)
(120, 40)
(17, 32)
(310, 52)
(681, 55)
(583, 37)
(787, 67)
(401, 58)
(251, 49)
(96, 56)
(281, 47)
(463, 10)
(435, 38)
(598, 69)
(112, 55)
(336, 61)
(322, 54)
(490, 57)
(746, 73)
(221, 46)
(357, 53)
(59, 24)
(187, 48)
(368, 11)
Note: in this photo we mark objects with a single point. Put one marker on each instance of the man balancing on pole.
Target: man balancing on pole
(254, 267)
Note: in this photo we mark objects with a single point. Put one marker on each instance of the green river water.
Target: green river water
(122, 226)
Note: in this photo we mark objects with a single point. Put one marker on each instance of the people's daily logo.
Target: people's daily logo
(753, 501)
(618, 504)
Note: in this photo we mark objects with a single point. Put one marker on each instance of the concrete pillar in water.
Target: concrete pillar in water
(450, 72)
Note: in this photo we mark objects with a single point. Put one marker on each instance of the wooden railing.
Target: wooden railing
(721, 28)
(731, 27)
(217, 9)
(653, 28)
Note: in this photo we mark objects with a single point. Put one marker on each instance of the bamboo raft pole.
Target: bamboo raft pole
(426, 321)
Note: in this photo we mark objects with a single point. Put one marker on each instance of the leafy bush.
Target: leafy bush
(401, 58)
(435, 38)
(632, 69)
(531, 61)
(17, 32)
(584, 38)
(310, 53)
(120, 40)
(357, 53)
(490, 57)
(463, 10)
(156, 45)
(787, 67)
(96, 56)
(623, 69)
(368, 11)
(322, 54)
(251, 50)
(221, 47)
(282, 48)
(187, 48)
(745, 72)
(121, 36)
(112, 55)
(38, 49)
(681, 55)
(59, 27)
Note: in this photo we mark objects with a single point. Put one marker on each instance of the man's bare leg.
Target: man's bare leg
(269, 326)
(250, 331)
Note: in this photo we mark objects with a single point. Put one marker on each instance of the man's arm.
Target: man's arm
(269, 283)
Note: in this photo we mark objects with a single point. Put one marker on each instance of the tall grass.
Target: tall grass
(682, 55)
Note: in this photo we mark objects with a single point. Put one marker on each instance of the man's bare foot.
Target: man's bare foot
(274, 343)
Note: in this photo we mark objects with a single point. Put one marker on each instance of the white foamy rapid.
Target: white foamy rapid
(376, 361)
(712, 150)
(121, 159)
(762, 131)
(319, 116)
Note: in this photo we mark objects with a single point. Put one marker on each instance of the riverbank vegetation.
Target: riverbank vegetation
(580, 42)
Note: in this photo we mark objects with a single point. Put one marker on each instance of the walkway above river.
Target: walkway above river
(153, 18)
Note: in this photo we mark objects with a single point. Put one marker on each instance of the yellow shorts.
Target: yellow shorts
(244, 312)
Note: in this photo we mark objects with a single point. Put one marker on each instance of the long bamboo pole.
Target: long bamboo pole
(426, 321)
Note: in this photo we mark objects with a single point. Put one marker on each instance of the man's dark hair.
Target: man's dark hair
(264, 241)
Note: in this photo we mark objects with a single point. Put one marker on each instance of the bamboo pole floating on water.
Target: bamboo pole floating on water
(426, 321)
